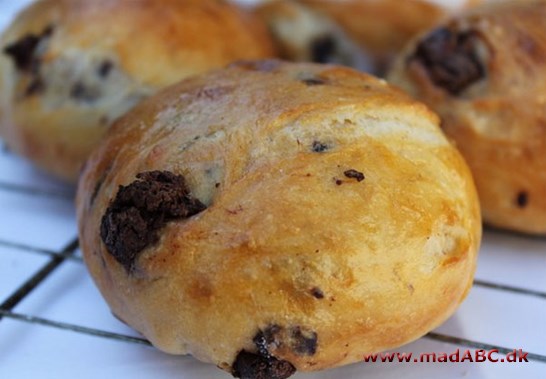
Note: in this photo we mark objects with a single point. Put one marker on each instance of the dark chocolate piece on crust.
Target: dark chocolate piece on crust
(522, 199)
(140, 210)
(354, 174)
(23, 51)
(319, 147)
(450, 59)
(317, 293)
(104, 68)
(255, 366)
(81, 92)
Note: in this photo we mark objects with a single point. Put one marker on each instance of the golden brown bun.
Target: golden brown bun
(364, 34)
(485, 74)
(307, 212)
(68, 68)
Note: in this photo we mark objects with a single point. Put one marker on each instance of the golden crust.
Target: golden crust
(499, 122)
(288, 239)
(149, 44)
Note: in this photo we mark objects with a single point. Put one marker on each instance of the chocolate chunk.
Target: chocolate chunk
(353, 174)
(313, 81)
(317, 293)
(522, 199)
(322, 49)
(23, 51)
(133, 219)
(451, 59)
(105, 67)
(81, 92)
(254, 366)
(319, 147)
(303, 342)
(262, 365)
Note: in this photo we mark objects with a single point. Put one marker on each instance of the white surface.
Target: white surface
(36, 211)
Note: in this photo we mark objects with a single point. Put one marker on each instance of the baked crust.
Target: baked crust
(76, 65)
(339, 220)
(496, 115)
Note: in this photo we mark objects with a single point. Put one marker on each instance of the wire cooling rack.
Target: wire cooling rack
(54, 324)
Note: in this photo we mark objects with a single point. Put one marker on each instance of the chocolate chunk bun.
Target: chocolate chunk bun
(485, 74)
(68, 68)
(364, 34)
(272, 217)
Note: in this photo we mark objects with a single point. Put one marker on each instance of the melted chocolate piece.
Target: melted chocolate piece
(262, 365)
(319, 147)
(353, 174)
(322, 49)
(317, 293)
(450, 59)
(23, 51)
(82, 92)
(522, 199)
(255, 366)
(133, 219)
(104, 69)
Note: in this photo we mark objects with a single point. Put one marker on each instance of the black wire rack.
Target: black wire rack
(508, 299)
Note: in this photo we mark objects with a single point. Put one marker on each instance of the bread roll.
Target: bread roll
(485, 75)
(270, 217)
(68, 68)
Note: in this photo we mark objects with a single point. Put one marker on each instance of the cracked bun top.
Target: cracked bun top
(271, 217)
